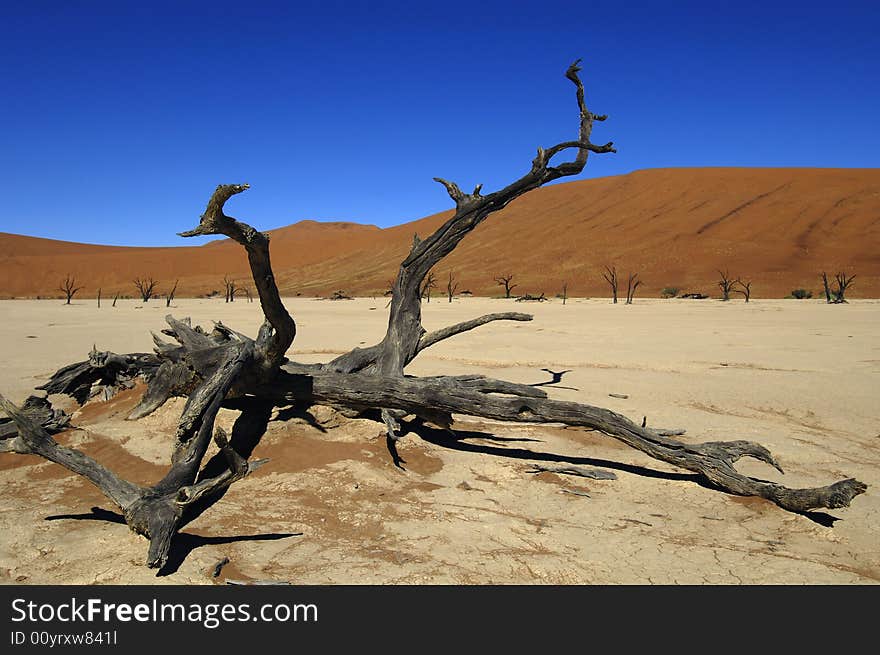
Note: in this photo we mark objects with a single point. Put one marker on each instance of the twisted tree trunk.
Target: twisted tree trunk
(212, 368)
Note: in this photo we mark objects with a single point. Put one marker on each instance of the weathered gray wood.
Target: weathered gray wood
(210, 369)
(672, 432)
(40, 411)
(274, 345)
(106, 368)
(35, 440)
(404, 324)
(364, 359)
(712, 460)
(576, 492)
(431, 338)
(580, 471)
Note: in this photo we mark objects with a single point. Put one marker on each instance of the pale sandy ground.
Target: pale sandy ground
(800, 377)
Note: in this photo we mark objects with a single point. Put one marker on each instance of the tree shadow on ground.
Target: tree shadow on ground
(457, 440)
(182, 544)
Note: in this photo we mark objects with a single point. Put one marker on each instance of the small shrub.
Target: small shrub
(801, 294)
(669, 292)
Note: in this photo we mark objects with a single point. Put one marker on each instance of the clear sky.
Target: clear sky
(118, 119)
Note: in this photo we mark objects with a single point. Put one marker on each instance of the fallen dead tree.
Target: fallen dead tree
(224, 367)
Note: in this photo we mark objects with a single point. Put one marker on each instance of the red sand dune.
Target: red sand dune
(778, 228)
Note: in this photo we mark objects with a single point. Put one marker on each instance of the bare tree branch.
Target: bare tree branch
(272, 349)
(68, 286)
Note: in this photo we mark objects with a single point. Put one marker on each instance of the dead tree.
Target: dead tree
(564, 292)
(68, 286)
(429, 283)
(632, 283)
(527, 297)
(146, 287)
(451, 286)
(843, 283)
(230, 289)
(225, 366)
(610, 276)
(171, 295)
(725, 284)
(826, 288)
(115, 298)
(745, 288)
(838, 295)
(504, 280)
(99, 297)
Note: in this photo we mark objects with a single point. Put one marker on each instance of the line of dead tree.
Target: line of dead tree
(632, 283)
(225, 368)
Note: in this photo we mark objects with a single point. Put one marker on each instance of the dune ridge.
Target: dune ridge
(778, 227)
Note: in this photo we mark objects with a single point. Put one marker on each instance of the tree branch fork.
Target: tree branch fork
(210, 368)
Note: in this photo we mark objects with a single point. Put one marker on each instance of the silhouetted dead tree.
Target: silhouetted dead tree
(505, 281)
(610, 276)
(68, 286)
(99, 297)
(745, 288)
(564, 292)
(115, 298)
(843, 283)
(632, 283)
(451, 286)
(146, 287)
(838, 295)
(725, 284)
(429, 283)
(170, 297)
(230, 287)
(527, 297)
(223, 366)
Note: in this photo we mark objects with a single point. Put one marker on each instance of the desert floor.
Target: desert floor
(800, 377)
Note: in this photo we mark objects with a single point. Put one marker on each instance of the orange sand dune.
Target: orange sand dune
(778, 228)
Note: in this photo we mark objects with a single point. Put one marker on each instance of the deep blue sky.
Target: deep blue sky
(119, 118)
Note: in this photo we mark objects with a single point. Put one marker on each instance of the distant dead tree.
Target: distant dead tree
(838, 295)
(530, 298)
(843, 283)
(247, 293)
(99, 297)
(211, 367)
(146, 287)
(68, 286)
(632, 283)
(171, 295)
(451, 285)
(115, 298)
(390, 287)
(564, 292)
(610, 276)
(825, 286)
(230, 288)
(745, 288)
(504, 281)
(430, 283)
(725, 284)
